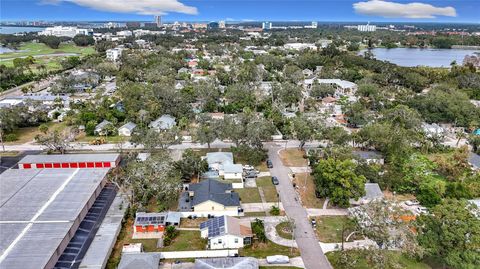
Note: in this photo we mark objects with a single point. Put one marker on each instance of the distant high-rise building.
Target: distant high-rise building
(221, 24)
(266, 25)
(367, 28)
(158, 20)
(314, 24)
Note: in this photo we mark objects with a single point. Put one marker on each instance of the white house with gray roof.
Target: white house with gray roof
(165, 122)
(226, 232)
(127, 129)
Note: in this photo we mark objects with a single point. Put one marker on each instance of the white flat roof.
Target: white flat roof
(66, 158)
(38, 207)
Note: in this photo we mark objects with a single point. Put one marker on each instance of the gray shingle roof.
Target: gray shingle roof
(214, 190)
(129, 125)
(219, 157)
(143, 260)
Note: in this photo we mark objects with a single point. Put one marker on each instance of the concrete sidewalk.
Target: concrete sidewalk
(312, 212)
(259, 207)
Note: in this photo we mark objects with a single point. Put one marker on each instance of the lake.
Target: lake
(425, 57)
(19, 29)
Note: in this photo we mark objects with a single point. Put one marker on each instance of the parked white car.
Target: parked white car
(411, 203)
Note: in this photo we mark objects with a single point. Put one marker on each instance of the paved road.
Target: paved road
(7, 162)
(312, 254)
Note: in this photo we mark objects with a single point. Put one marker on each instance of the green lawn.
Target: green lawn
(269, 190)
(362, 263)
(249, 195)
(329, 229)
(45, 55)
(262, 250)
(255, 214)
(284, 229)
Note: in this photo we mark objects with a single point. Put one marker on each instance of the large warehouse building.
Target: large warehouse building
(42, 209)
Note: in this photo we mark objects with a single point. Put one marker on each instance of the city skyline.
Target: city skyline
(243, 11)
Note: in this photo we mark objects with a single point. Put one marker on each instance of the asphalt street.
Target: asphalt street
(312, 254)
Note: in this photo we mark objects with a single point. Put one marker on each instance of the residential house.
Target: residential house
(101, 129)
(127, 129)
(227, 262)
(210, 197)
(232, 171)
(165, 122)
(307, 73)
(216, 160)
(152, 225)
(226, 232)
(372, 192)
(370, 156)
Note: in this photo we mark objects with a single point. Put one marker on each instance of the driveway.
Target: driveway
(312, 254)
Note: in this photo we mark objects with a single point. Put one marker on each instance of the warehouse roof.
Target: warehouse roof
(38, 208)
(65, 158)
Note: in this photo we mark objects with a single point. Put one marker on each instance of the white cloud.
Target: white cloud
(144, 7)
(398, 10)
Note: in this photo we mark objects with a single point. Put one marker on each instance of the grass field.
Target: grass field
(28, 134)
(362, 263)
(262, 250)
(329, 229)
(293, 157)
(249, 195)
(269, 190)
(255, 214)
(44, 54)
(306, 189)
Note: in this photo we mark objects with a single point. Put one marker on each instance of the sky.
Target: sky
(243, 10)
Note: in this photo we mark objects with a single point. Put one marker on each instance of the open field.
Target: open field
(27, 134)
(45, 55)
(329, 229)
(249, 195)
(306, 189)
(262, 250)
(362, 262)
(269, 190)
(293, 157)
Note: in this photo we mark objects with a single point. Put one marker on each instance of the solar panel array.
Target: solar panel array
(150, 220)
(216, 226)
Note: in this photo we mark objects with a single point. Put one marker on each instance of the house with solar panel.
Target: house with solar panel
(152, 225)
(210, 197)
(226, 232)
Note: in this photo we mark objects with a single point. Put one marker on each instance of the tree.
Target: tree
(56, 141)
(302, 129)
(384, 222)
(152, 139)
(83, 40)
(322, 90)
(206, 132)
(338, 181)
(51, 41)
(154, 178)
(451, 233)
(191, 165)
(43, 128)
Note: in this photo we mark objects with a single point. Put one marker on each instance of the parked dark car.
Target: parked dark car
(275, 181)
(269, 164)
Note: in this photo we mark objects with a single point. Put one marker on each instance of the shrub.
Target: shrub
(11, 137)
(274, 211)
(259, 230)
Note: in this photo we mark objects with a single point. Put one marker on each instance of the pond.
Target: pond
(421, 57)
